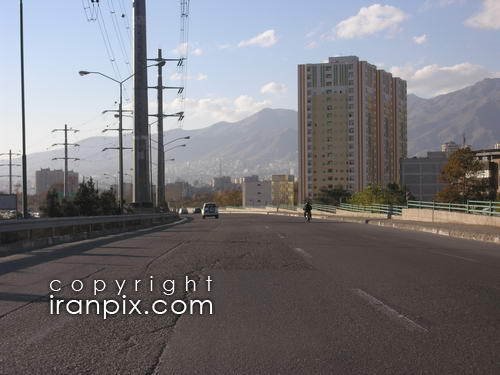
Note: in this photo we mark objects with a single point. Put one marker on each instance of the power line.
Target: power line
(109, 47)
(65, 158)
(10, 165)
(182, 69)
(125, 20)
(118, 34)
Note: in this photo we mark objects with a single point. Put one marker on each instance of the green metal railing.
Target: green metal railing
(489, 208)
(324, 208)
(373, 208)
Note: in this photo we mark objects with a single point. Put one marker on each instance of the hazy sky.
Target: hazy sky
(243, 55)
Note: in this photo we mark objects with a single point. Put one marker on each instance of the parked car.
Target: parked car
(183, 211)
(210, 209)
(197, 210)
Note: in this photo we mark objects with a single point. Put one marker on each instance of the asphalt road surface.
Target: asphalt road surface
(288, 297)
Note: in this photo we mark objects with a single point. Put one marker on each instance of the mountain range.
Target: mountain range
(472, 112)
(265, 143)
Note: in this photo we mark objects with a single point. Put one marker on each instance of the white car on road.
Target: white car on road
(210, 209)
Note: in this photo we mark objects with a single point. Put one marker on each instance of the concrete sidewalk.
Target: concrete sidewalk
(466, 231)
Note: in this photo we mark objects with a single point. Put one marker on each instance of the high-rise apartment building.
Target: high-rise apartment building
(47, 179)
(352, 125)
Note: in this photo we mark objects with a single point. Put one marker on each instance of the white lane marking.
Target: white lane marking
(389, 311)
(454, 256)
(302, 252)
(281, 236)
(267, 227)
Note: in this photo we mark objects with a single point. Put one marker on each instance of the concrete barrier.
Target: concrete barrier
(361, 214)
(438, 216)
(24, 235)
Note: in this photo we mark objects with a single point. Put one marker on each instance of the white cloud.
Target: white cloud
(223, 46)
(197, 52)
(273, 88)
(182, 49)
(314, 31)
(199, 77)
(369, 20)
(488, 17)
(432, 80)
(429, 4)
(420, 39)
(206, 111)
(311, 45)
(266, 39)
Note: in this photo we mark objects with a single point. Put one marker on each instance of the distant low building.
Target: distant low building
(422, 175)
(128, 189)
(491, 162)
(282, 190)
(177, 191)
(223, 183)
(256, 193)
(47, 179)
(449, 147)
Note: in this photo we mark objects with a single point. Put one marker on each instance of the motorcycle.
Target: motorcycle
(307, 216)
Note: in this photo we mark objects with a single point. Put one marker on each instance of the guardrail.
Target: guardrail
(373, 208)
(489, 208)
(324, 208)
(31, 233)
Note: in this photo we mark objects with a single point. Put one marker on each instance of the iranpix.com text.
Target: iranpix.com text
(119, 303)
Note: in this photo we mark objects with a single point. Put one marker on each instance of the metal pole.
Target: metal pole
(65, 194)
(25, 178)
(142, 195)
(160, 184)
(150, 169)
(120, 150)
(10, 171)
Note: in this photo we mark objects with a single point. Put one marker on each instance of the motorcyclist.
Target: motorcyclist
(307, 210)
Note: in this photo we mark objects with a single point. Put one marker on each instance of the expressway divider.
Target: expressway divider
(24, 235)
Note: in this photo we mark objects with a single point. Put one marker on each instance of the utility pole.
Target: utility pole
(120, 147)
(10, 153)
(160, 183)
(141, 128)
(65, 158)
(23, 115)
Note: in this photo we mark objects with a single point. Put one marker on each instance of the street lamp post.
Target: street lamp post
(160, 196)
(171, 148)
(113, 176)
(176, 139)
(120, 133)
(165, 188)
(120, 130)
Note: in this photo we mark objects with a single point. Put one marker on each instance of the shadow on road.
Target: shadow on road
(36, 257)
(20, 297)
